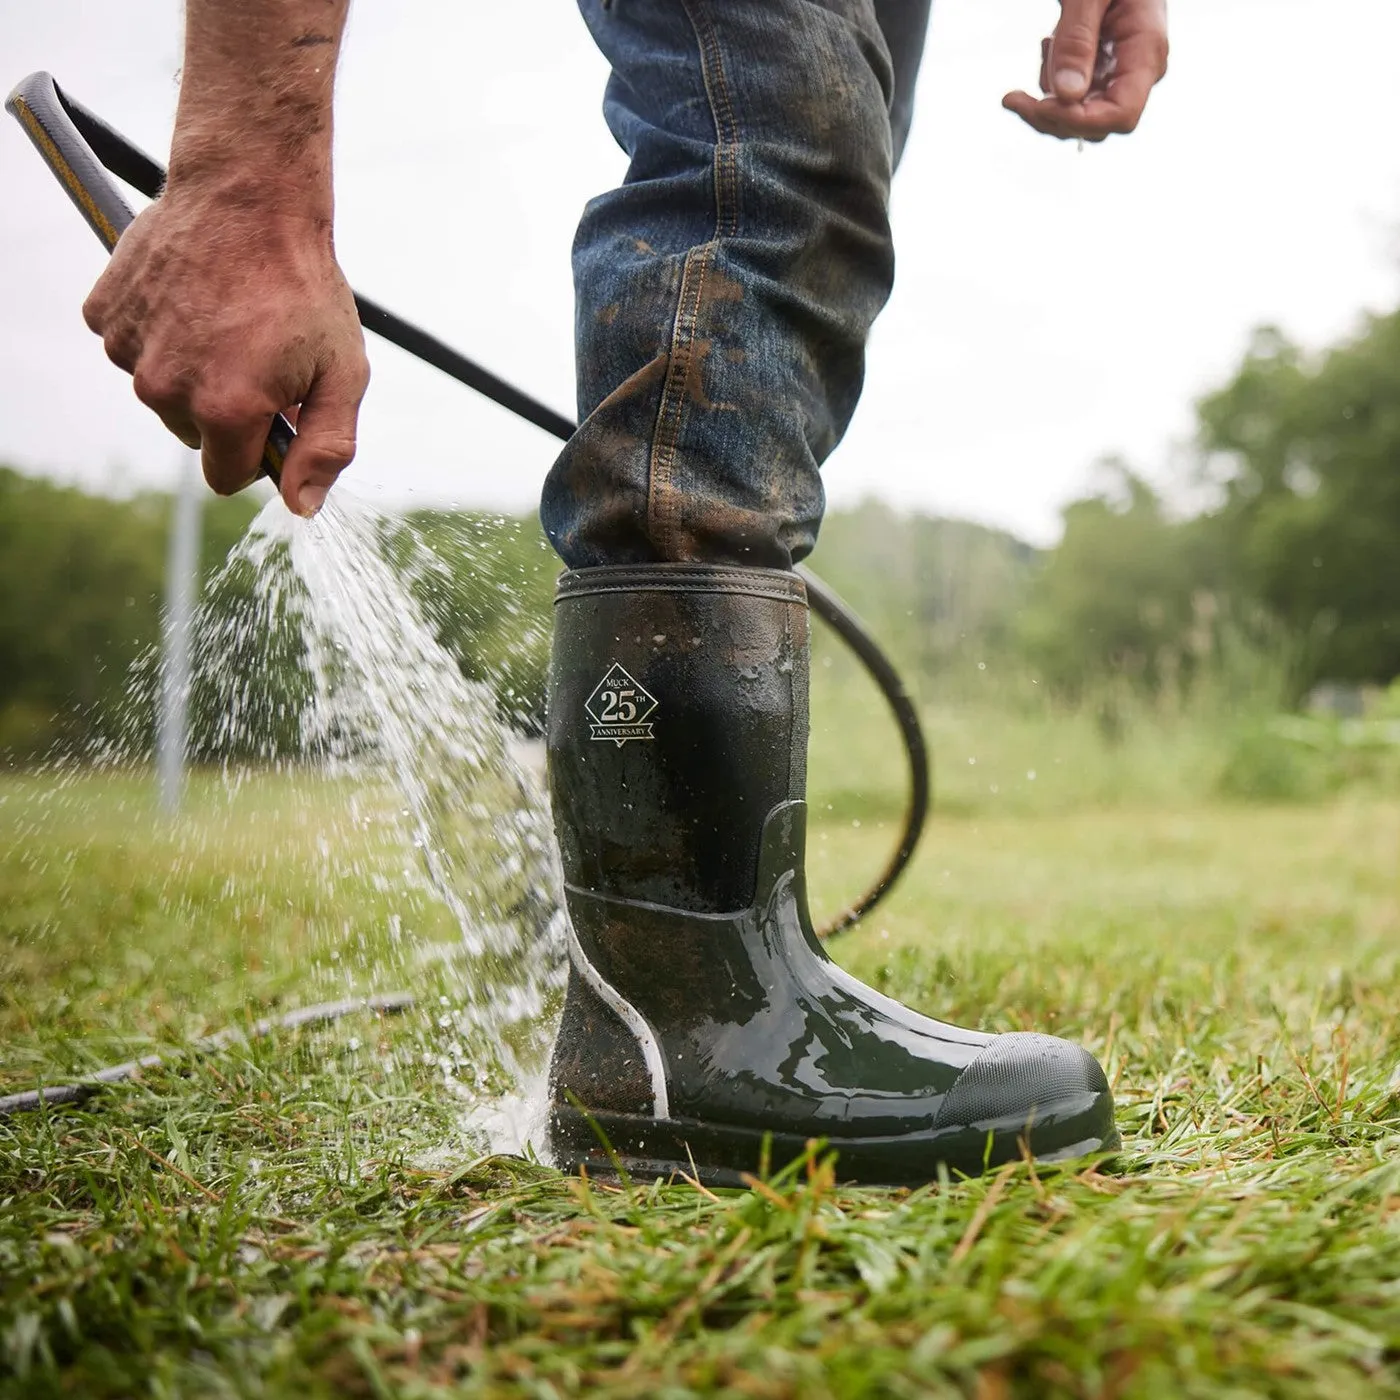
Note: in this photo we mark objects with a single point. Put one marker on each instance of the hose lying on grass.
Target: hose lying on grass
(388, 1003)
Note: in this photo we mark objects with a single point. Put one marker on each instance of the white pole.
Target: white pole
(181, 588)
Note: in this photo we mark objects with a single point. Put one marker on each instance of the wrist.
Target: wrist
(229, 190)
(253, 129)
(238, 206)
(247, 168)
(265, 144)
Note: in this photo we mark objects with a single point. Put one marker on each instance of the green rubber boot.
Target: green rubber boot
(702, 1013)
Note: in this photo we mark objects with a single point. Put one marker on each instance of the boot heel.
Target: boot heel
(597, 1058)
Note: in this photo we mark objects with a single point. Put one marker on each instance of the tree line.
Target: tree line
(1293, 553)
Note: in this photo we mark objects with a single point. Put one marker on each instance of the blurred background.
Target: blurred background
(1125, 466)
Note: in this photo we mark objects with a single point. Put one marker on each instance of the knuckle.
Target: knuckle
(218, 480)
(1121, 121)
(95, 313)
(119, 350)
(325, 454)
(225, 410)
(155, 390)
(226, 475)
(330, 451)
(348, 378)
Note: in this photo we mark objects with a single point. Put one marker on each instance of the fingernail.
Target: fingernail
(1070, 84)
(310, 499)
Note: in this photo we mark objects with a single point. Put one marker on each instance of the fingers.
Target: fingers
(1049, 116)
(1074, 49)
(219, 388)
(1098, 71)
(167, 402)
(1094, 120)
(1115, 112)
(223, 318)
(227, 426)
(325, 440)
(1121, 108)
(231, 442)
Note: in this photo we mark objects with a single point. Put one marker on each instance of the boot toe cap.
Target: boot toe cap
(1050, 1089)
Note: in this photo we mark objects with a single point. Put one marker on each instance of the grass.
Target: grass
(303, 1215)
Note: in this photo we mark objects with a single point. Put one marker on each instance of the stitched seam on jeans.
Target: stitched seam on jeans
(663, 501)
(726, 174)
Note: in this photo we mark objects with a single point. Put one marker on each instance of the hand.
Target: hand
(1079, 104)
(226, 312)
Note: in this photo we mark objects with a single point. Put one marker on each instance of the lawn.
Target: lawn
(304, 1215)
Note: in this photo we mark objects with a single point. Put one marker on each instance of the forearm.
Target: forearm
(256, 99)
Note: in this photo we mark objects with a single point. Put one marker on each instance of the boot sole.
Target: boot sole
(721, 1154)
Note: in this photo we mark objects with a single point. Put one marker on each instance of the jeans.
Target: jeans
(726, 291)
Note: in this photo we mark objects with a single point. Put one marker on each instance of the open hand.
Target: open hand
(1098, 69)
(226, 312)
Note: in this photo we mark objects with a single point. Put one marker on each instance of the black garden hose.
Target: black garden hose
(80, 149)
(29, 1100)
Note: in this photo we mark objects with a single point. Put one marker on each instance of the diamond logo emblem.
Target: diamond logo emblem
(620, 708)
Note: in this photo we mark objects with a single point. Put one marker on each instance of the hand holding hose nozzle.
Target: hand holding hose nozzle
(229, 329)
(225, 310)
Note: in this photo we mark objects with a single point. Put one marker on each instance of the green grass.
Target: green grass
(303, 1215)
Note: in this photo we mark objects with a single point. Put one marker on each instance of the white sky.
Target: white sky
(1051, 307)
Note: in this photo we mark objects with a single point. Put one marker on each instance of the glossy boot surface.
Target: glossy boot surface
(702, 1013)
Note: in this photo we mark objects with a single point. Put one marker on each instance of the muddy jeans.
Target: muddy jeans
(726, 290)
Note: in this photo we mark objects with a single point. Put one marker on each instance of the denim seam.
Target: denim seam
(726, 172)
(663, 501)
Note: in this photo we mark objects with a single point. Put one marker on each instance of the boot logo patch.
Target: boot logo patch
(619, 708)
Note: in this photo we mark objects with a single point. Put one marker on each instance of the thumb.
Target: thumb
(1074, 48)
(325, 442)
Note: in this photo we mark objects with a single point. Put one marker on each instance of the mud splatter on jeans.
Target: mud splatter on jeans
(726, 290)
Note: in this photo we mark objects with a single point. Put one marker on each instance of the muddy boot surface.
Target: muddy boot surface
(703, 1016)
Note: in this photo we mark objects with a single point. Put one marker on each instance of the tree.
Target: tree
(1125, 595)
(934, 591)
(81, 586)
(1308, 453)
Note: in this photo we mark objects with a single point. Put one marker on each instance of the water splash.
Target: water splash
(375, 697)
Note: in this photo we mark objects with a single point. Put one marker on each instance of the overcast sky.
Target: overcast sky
(1051, 306)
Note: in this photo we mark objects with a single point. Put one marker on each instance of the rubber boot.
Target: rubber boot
(702, 1014)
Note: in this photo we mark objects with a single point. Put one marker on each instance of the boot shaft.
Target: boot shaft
(677, 723)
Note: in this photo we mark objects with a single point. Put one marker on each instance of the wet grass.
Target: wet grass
(300, 1215)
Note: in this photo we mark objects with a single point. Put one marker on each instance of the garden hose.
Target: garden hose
(29, 1100)
(80, 149)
